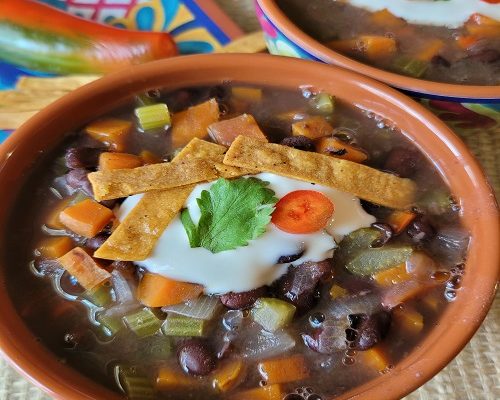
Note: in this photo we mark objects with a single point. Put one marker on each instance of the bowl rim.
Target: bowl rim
(143, 77)
(418, 87)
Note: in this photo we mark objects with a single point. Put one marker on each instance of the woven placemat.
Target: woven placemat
(473, 375)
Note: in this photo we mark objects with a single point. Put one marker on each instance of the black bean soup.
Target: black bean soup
(335, 324)
(467, 55)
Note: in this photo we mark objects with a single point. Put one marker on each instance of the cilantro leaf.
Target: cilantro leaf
(233, 212)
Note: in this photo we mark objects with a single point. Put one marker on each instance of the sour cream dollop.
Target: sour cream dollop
(451, 13)
(255, 265)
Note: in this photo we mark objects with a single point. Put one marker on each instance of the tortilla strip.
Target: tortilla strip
(364, 182)
(117, 183)
(135, 237)
(50, 84)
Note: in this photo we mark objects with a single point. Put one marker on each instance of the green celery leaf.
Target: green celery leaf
(233, 212)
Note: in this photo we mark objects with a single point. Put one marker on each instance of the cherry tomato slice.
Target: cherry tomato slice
(302, 211)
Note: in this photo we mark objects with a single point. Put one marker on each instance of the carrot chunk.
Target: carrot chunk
(281, 370)
(227, 376)
(52, 220)
(109, 161)
(225, 132)
(312, 127)
(84, 268)
(247, 93)
(406, 291)
(193, 122)
(387, 19)
(55, 247)
(399, 220)
(158, 291)
(373, 47)
(408, 319)
(465, 42)
(392, 276)
(170, 379)
(112, 132)
(337, 148)
(430, 50)
(483, 26)
(375, 358)
(270, 392)
(338, 291)
(86, 218)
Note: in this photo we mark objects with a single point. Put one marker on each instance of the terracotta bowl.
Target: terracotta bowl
(450, 334)
(283, 37)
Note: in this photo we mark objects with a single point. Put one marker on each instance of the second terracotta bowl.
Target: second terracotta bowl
(285, 38)
(450, 156)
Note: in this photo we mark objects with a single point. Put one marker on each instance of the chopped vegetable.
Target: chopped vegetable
(112, 132)
(156, 348)
(283, 370)
(86, 218)
(109, 161)
(153, 116)
(83, 267)
(372, 46)
(52, 221)
(411, 66)
(312, 127)
(193, 122)
(392, 276)
(323, 103)
(406, 291)
(362, 181)
(272, 314)
(136, 385)
(118, 183)
(112, 323)
(430, 50)
(228, 376)
(270, 392)
(357, 256)
(250, 94)
(170, 379)
(303, 211)
(178, 325)
(158, 291)
(260, 343)
(232, 213)
(44, 38)
(203, 307)
(408, 319)
(143, 322)
(399, 220)
(483, 26)
(55, 247)
(337, 148)
(100, 295)
(338, 291)
(386, 19)
(224, 132)
(375, 358)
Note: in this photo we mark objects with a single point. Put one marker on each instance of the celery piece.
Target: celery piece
(143, 322)
(135, 385)
(437, 202)
(153, 116)
(370, 261)
(179, 325)
(100, 296)
(156, 348)
(353, 243)
(411, 66)
(272, 314)
(323, 103)
(112, 323)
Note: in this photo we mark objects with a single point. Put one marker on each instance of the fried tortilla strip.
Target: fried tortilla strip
(134, 239)
(363, 181)
(50, 84)
(117, 183)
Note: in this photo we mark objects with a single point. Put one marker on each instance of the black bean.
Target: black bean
(420, 230)
(299, 284)
(440, 61)
(82, 157)
(195, 357)
(368, 330)
(402, 161)
(289, 259)
(385, 234)
(70, 285)
(242, 300)
(485, 55)
(78, 180)
(96, 242)
(299, 142)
